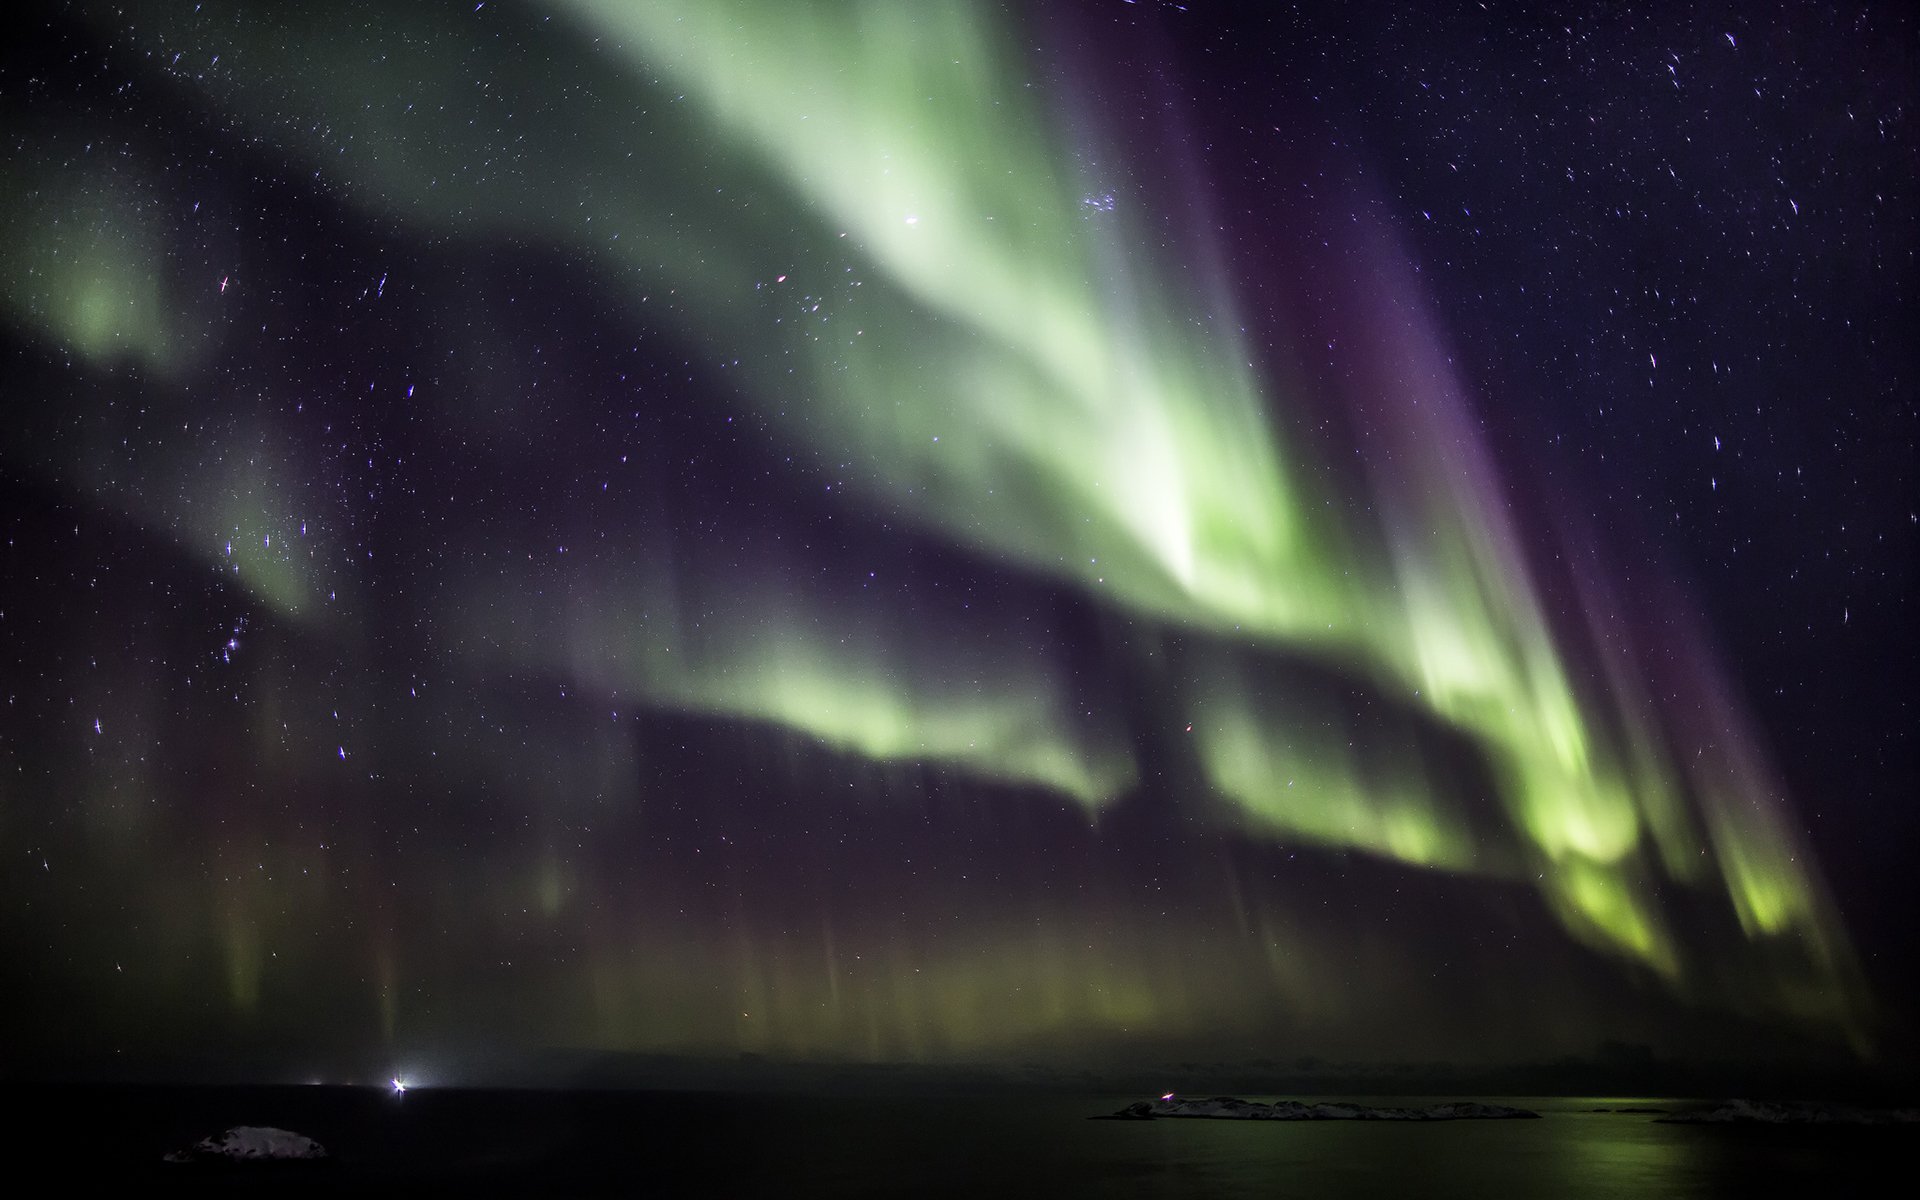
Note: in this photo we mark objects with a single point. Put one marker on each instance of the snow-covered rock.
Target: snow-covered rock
(1473, 1110)
(1232, 1108)
(1754, 1112)
(252, 1143)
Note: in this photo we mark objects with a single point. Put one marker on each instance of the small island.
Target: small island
(1757, 1112)
(252, 1144)
(1232, 1108)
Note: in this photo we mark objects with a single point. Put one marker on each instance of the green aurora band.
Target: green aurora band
(872, 197)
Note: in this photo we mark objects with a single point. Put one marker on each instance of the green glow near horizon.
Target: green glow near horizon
(892, 223)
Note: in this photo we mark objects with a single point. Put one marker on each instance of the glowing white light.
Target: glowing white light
(399, 1086)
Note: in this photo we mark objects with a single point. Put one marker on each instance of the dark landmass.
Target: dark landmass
(1752, 1112)
(1614, 1069)
(1232, 1108)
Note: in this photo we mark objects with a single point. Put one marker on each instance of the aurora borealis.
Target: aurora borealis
(950, 533)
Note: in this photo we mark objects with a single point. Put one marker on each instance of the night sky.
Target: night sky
(939, 533)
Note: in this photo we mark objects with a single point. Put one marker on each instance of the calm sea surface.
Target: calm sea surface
(723, 1145)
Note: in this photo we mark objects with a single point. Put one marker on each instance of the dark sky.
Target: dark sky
(955, 534)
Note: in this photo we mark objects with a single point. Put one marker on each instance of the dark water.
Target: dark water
(722, 1145)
